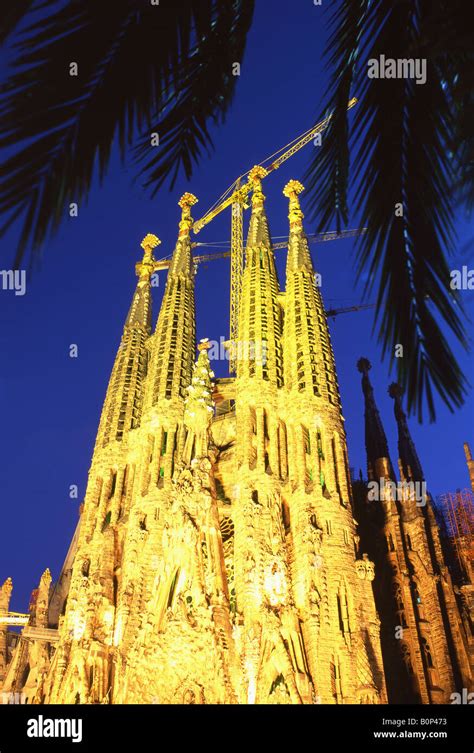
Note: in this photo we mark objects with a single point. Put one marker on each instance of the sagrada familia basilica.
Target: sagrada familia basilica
(223, 553)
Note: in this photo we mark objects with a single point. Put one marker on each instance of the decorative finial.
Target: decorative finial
(204, 344)
(293, 188)
(146, 266)
(395, 391)
(46, 578)
(255, 177)
(186, 201)
(8, 584)
(364, 365)
(295, 215)
(150, 241)
(257, 173)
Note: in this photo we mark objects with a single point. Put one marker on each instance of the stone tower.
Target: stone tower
(217, 559)
(470, 464)
(450, 644)
(423, 640)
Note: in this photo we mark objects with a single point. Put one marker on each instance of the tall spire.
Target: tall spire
(375, 439)
(258, 229)
(174, 338)
(259, 330)
(123, 401)
(308, 357)
(409, 460)
(298, 249)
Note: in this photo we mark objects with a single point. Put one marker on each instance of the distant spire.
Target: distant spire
(470, 463)
(298, 249)
(409, 460)
(45, 580)
(375, 439)
(5, 593)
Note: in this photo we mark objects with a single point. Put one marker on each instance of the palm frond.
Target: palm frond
(11, 17)
(404, 143)
(327, 176)
(204, 89)
(132, 58)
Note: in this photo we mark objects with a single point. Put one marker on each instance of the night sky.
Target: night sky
(81, 290)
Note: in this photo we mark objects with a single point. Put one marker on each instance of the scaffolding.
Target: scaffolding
(458, 513)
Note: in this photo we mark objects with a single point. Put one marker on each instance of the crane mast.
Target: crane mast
(236, 268)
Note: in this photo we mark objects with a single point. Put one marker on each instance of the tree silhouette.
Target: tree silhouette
(169, 73)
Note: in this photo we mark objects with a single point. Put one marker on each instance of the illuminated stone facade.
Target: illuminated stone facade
(217, 558)
(426, 645)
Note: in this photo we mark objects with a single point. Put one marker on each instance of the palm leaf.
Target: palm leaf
(11, 17)
(199, 88)
(403, 139)
(132, 61)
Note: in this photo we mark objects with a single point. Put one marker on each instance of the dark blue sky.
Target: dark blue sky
(50, 404)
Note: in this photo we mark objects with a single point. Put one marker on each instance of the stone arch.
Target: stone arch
(189, 692)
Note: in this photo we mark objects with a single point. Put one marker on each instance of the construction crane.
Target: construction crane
(236, 196)
(331, 235)
(162, 264)
(347, 309)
